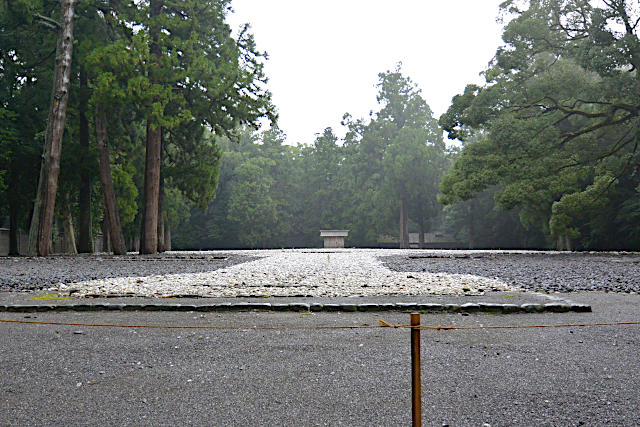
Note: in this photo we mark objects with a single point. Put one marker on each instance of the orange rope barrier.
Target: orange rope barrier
(382, 324)
(561, 325)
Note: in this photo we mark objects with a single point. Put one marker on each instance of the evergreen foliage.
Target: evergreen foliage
(165, 101)
(173, 67)
(556, 124)
(274, 195)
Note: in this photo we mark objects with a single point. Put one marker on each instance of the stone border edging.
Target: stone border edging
(555, 307)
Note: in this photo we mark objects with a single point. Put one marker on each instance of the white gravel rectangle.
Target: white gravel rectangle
(293, 272)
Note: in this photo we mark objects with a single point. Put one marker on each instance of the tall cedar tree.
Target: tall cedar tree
(197, 72)
(42, 220)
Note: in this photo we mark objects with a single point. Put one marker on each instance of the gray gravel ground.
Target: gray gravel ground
(561, 272)
(27, 274)
(546, 272)
(79, 375)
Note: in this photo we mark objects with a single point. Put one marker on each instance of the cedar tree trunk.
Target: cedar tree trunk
(42, 221)
(69, 242)
(149, 238)
(104, 225)
(149, 235)
(85, 234)
(110, 206)
(14, 250)
(404, 224)
(161, 214)
(167, 236)
(472, 228)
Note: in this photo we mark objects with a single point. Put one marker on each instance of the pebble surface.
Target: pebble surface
(536, 271)
(314, 273)
(33, 274)
(322, 273)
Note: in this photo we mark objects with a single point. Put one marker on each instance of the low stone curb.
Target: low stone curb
(481, 307)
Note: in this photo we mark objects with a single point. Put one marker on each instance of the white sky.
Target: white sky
(325, 56)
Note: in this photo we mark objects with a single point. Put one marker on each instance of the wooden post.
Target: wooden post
(416, 382)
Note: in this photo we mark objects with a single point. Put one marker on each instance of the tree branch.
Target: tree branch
(597, 126)
(48, 22)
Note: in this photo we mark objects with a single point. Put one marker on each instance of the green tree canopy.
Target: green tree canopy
(559, 116)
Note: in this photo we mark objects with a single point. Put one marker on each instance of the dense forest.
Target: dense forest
(139, 121)
(384, 172)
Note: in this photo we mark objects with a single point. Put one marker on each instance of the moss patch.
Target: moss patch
(49, 297)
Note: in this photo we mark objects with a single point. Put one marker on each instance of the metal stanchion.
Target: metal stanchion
(416, 382)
